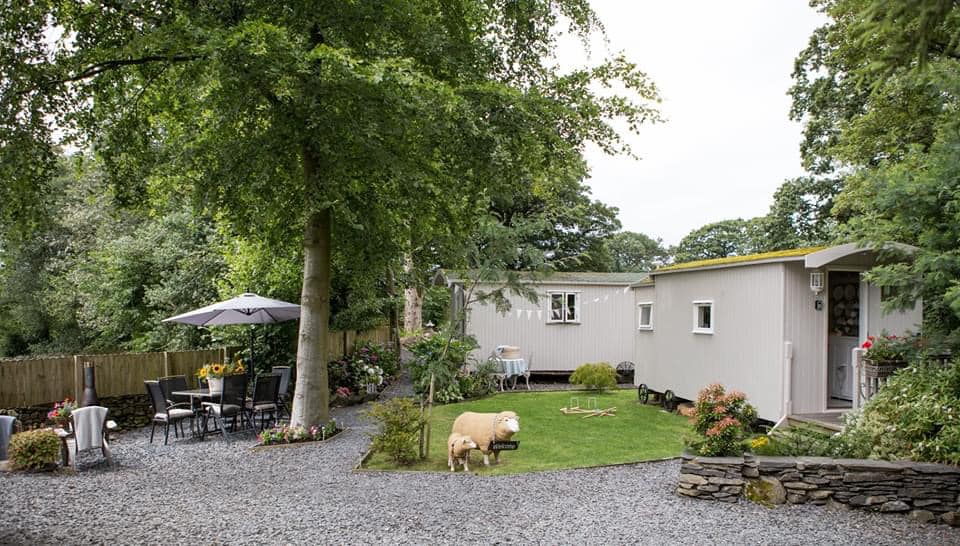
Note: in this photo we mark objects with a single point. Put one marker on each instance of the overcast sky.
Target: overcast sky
(723, 70)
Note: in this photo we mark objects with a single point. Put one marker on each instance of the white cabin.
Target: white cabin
(780, 326)
(578, 318)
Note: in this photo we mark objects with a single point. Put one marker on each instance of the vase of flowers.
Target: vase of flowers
(61, 412)
(214, 373)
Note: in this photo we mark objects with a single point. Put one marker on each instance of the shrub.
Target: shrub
(799, 440)
(34, 450)
(721, 421)
(916, 415)
(400, 423)
(446, 367)
(598, 376)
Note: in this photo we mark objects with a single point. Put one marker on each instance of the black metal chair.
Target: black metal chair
(165, 413)
(284, 389)
(172, 383)
(230, 405)
(265, 399)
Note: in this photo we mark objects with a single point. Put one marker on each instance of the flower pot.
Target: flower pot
(881, 369)
(215, 384)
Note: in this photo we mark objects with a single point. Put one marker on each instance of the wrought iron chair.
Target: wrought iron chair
(166, 413)
(499, 373)
(230, 406)
(266, 390)
(284, 387)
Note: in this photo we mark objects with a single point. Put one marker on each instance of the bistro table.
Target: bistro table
(514, 368)
(197, 397)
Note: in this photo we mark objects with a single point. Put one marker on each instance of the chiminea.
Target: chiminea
(89, 386)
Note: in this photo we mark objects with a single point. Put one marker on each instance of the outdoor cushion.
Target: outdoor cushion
(228, 409)
(262, 407)
(174, 414)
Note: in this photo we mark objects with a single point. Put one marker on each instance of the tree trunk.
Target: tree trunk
(311, 399)
(412, 298)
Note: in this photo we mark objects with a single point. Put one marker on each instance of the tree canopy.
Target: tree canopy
(381, 123)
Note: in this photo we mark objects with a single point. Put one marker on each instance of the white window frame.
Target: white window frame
(697, 305)
(565, 295)
(640, 324)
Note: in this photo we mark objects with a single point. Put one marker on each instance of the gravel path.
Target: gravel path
(222, 492)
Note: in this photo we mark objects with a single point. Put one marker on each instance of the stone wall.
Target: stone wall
(925, 491)
(130, 411)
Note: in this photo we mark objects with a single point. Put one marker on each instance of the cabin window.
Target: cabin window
(703, 317)
(645, 316)
(564, 307)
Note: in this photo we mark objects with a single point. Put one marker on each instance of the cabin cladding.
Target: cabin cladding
(741, 348)
(571, 324)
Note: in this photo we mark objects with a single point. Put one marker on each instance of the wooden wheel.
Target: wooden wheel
(669, 400)
(643, 393)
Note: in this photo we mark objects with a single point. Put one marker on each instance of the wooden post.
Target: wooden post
(166, 363)
(77, 378)
(429, 415)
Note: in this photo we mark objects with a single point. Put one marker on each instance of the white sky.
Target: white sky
(723, 70)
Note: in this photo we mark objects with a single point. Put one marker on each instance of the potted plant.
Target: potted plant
(885, 354)
(214, 373)
(61, 412)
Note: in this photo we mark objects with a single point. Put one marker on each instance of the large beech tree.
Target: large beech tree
(367, 122)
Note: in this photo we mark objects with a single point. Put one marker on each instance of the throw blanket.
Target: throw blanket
(88, 426)
(6, 431)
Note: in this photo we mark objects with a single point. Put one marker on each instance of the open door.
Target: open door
(843, 289)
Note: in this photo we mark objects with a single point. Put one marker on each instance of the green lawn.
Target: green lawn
(550, 440)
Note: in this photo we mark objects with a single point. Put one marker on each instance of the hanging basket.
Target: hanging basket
(882, 369)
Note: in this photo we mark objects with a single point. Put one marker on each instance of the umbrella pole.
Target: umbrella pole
(250, 372)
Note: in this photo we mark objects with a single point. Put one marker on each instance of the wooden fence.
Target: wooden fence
(26, 382)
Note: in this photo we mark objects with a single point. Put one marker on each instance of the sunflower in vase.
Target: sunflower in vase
(214, 373)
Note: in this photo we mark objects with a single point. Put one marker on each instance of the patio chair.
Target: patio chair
(284, 387)
(172, 383)
(526, 373)
(499, 373)
(7, 424)
(229, 406)
(165, 413)
(265, 397)
(90, 432)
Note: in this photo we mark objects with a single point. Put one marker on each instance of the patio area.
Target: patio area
(221, 492)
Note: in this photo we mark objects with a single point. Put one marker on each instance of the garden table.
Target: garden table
(197, 397)
(514, 368)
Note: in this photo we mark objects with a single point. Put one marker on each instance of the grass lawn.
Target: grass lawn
(550, 440)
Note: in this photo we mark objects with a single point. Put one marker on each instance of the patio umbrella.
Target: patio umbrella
(246, 308)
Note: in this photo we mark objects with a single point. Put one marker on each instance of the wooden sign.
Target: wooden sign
(504, 446)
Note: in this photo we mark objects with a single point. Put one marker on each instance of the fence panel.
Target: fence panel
(24, 381)
(34, 381)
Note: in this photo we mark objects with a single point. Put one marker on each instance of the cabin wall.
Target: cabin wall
(605, 332)
(744, 353)
(644, 348)
(805, 328)
(896, 323)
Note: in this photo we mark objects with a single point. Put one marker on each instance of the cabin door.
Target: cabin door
(843, 289)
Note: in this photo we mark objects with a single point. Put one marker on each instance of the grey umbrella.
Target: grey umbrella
(246, 308)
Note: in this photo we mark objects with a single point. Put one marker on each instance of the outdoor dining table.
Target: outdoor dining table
(514, 368)
(197, 397)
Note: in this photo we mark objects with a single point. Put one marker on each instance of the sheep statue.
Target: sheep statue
(485, 428)
(458, 451)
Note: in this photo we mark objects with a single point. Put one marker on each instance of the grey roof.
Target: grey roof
(559, 277)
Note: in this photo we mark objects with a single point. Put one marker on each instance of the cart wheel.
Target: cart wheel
(643, 393)
(669, 400)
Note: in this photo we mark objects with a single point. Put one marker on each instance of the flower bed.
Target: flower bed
(283, 434)
(927, 492)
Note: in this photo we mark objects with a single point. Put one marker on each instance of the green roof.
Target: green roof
(565, 277)
(779, 255)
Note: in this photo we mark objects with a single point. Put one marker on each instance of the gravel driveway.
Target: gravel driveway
(221, 492)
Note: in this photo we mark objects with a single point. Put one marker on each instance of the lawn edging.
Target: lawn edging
(261, 447)
(927, 492)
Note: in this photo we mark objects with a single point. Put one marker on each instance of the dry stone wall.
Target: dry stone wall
(129, 411)
(925, 491)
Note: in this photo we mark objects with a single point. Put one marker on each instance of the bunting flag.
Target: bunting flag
(529, 313)
(519, 312)
(625, 288)
(539, 314)
(606, 297)
(595, 300)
